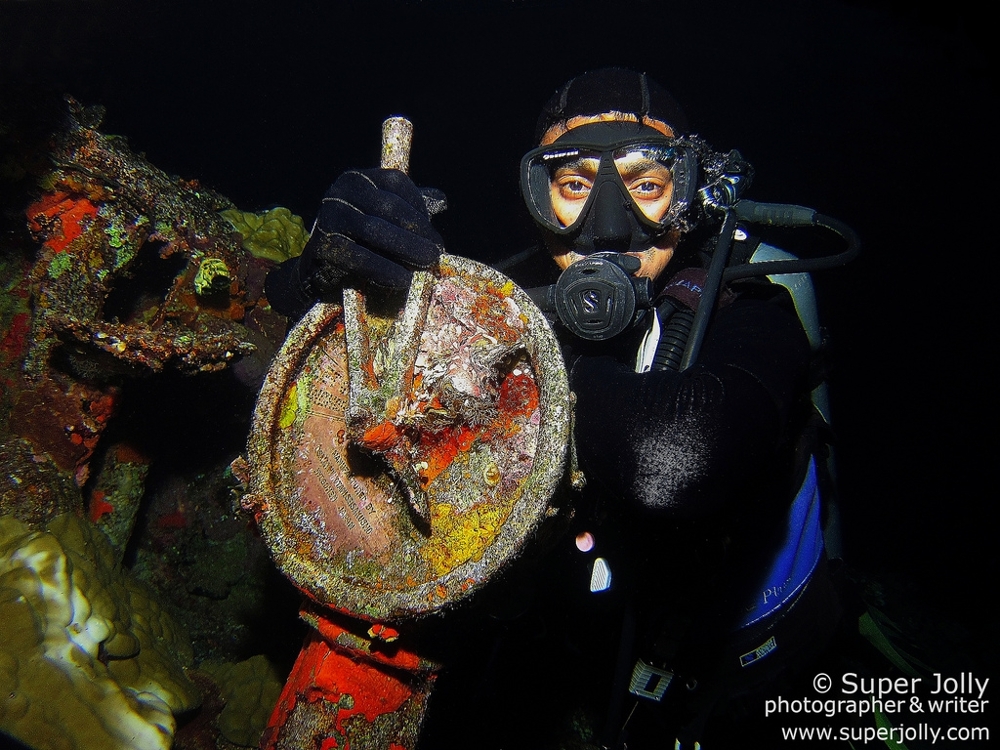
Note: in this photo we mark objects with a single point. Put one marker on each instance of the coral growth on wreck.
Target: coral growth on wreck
(123, 244)
(133, 335)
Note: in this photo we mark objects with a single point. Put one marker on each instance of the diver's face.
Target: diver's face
(649, 183)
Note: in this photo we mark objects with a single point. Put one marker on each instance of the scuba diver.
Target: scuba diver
(692, 571)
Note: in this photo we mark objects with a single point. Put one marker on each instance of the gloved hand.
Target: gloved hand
(373, 227)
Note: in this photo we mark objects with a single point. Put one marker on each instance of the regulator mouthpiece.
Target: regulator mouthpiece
(597, 299)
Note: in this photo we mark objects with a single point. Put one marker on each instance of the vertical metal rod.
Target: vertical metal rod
(397, 137)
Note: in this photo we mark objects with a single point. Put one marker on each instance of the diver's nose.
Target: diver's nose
(612, 228)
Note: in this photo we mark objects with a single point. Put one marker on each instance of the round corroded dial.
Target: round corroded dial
(398, 460)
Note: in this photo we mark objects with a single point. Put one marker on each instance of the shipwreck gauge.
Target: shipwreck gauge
(399, 458)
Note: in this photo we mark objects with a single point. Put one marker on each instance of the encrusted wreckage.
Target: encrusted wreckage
(123, 273)
(137, 272)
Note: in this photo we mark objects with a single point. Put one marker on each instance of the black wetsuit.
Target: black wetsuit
(691, 476)
(689, 480)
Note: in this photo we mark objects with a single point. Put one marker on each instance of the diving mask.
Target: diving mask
(610, 186)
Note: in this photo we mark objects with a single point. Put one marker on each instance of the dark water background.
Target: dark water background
(868, 112)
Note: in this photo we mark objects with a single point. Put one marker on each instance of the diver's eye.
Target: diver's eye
(647, 189)
(573, 187)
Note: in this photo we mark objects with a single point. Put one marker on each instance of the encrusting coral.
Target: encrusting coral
(250, 690)
(76, 626)
(277, 234)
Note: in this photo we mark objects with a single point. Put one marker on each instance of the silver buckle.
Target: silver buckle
(649, 682)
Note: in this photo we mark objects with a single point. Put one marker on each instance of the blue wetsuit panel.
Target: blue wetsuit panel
(799, 553)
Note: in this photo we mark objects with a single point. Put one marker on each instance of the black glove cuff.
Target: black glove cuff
(285, 291)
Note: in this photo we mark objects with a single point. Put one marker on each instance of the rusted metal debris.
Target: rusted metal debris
(135, 272)
(122, 264)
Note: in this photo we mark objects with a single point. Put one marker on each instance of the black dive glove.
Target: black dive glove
(373, 227)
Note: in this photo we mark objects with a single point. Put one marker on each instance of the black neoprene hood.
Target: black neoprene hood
(611, 90)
